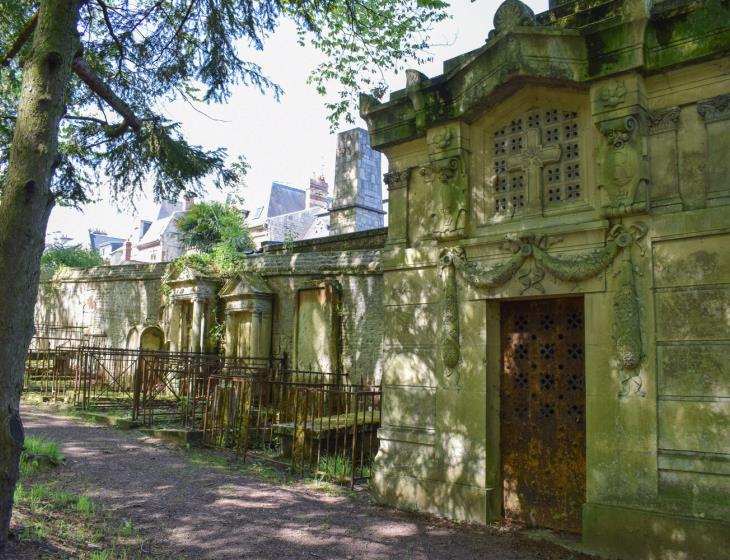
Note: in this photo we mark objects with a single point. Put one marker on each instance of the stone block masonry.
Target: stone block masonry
(358, 193)
(107, 300)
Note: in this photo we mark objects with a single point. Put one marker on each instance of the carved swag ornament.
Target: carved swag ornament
(575, 268)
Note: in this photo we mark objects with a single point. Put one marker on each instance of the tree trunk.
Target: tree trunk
(24, 209)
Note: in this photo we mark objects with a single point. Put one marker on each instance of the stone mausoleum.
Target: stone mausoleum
(548, 311)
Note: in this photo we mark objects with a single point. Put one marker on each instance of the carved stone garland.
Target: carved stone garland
(571, 269)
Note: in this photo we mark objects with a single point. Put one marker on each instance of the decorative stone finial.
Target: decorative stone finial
(511, 14)
(367, 103)
(414, 77)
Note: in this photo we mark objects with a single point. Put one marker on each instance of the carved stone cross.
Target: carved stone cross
(532, 159)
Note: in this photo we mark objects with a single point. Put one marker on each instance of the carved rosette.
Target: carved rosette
(613, 96)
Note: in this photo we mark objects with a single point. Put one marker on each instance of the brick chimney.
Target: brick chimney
(317, 193)
(188, 200)
(128, 250)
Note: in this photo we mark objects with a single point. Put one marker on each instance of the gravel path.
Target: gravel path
(193, 511)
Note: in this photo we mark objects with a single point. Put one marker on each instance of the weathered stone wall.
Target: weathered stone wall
(610, 184)
(357, 274)
(108, 300)
(112, 300)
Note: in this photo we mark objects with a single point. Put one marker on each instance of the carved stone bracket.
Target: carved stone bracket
(450, 204)
(715, 108)
(623, 168)
(664, 120)
(397, 179)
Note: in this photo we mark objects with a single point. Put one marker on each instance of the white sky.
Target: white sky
(289, 140)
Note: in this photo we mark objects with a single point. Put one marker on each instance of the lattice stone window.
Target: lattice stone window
(536, 162)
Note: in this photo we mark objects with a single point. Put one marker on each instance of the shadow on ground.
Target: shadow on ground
(195, 511)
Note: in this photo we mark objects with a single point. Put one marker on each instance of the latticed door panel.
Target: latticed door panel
(543, 412)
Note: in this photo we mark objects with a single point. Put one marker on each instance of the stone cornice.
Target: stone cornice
(331, 262)
(617, 38)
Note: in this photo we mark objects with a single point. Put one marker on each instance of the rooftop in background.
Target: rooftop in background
(99, 239)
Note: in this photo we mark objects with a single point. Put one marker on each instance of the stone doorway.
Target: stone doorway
(542, 412)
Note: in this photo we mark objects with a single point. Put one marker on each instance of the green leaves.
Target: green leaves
(217, 230)
(150, 51)
(361, 40)
(76, 257)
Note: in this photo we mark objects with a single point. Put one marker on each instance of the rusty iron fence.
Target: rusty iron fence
(314, 422)
(51, 365)
(314, 426)
(156, 385)
(148, 386)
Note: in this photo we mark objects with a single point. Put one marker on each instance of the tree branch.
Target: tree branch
(24, 35)
(83, 118)
(110, 28)
(87, 75)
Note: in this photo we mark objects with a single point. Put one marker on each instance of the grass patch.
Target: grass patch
(52, 522)
(39, 452)
(339, 467)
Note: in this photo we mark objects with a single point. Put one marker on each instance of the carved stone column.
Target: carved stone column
(197, 325)
(174, 329)
(231, 335)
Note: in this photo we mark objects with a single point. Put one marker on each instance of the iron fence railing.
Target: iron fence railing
(328, 429)
(311, 421)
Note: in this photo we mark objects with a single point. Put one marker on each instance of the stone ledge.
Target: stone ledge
(634, 534)
(408, 435)
(456, 501)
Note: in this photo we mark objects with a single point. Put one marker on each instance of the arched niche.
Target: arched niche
(152, 338)
(133, 339)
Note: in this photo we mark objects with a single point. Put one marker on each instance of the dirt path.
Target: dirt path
(193, 511)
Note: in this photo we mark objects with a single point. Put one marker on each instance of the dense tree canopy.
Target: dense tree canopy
(57, 256)
(216, 231)
(80, 82)
(135, 53)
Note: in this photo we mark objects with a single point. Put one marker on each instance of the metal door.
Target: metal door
(543, 412)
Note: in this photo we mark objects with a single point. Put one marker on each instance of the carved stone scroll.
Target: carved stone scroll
(627, 330)
(450, 342)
